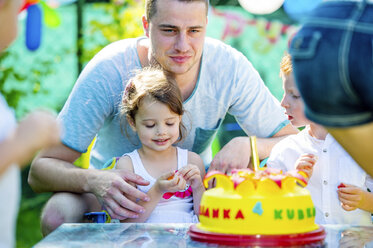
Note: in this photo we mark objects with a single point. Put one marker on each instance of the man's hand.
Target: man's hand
(113, 189)
(234, 155)
(36, 131)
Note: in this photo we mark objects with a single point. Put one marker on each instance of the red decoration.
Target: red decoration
(341, 185)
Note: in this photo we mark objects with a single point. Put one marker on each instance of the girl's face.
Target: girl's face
(156, 125)
(8, 21)
(292, 102)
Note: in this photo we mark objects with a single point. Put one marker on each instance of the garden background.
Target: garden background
(43, 78)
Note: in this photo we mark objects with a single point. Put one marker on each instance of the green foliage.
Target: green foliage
(28, 223)
(12, 96)
(17, 81)
(123, 21)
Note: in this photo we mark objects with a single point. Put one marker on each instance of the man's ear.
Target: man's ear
(132, 123)
(145, 25)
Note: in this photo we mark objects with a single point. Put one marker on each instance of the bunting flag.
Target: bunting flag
(269, 31)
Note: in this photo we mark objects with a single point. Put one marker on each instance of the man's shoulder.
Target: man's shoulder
(218, 45)
(216, 50)
(119, 47)
(117, 56)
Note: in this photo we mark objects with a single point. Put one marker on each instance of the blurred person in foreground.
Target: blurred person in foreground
(18, 143)
(333, 67)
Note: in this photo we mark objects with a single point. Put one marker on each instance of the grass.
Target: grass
(28, 223)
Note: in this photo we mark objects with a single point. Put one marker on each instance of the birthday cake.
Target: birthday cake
(262, 202)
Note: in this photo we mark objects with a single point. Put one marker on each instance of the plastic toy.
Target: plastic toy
(97, 217)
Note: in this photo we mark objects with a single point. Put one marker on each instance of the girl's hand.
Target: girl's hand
(192, 175)
(171, 182)
(351, 197)
(305, 163)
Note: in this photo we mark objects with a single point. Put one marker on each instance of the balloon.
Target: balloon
(51, 17)
(33, 27)
(297, 10)
(58, 3)
(27, 3)
(261, 7)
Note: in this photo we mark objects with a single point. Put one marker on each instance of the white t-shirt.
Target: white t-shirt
(227, 83)
(334, 166)
(9, 184)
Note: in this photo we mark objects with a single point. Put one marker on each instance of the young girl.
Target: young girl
(153, 107)
(336, 183)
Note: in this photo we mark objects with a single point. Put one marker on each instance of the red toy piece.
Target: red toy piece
(341, 185)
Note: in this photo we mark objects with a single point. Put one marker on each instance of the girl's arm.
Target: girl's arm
(162, 185)
(353, 197)
(194, 173)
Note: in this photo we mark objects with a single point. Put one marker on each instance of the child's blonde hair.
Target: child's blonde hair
(286, 66)
(157, 84)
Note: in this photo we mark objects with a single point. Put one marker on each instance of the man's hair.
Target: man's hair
(151, 6)
(286, 66)
(157, 84)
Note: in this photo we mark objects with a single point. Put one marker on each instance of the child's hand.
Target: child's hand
(305, 163)
(38, 130)
(351, 197)
(171, 182)
(192, 175)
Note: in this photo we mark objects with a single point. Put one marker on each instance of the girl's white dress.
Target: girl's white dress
(173, 210)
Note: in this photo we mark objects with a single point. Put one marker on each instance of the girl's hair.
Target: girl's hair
(156, 83)
(286, 66)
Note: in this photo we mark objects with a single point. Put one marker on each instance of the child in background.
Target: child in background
(17, 143)
(337, 184)
(152, 104)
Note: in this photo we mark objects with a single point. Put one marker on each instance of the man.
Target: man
(220, 81)
(332, 56)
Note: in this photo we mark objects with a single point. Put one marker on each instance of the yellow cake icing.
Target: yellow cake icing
(265, 202)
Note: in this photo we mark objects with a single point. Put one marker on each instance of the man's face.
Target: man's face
(8, 21)
(177, 33)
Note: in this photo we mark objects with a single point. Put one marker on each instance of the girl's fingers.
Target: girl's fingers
(191, 174)
(180, 185)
